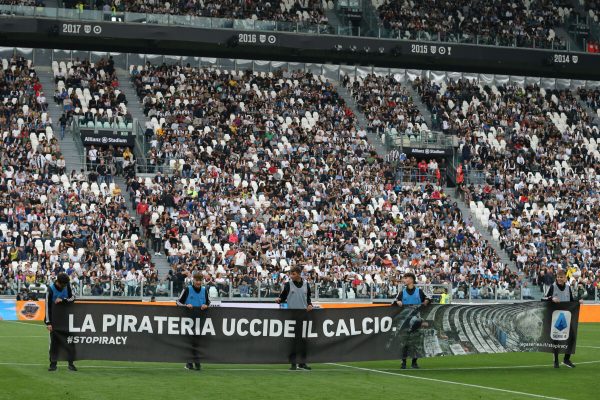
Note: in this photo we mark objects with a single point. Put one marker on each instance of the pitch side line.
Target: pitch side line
(22, 336)
(285, 370)
(172, 368)
(539, 396)
(26, 323)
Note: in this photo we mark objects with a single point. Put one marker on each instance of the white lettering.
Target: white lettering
(326, 326)
(108, 320)
(228, 330)
(208, 327)
(173, 326)
(129, 324)
(342, 329)
(187, 325)
(72, 327)
(241, 331)
(253, 324)
(386, 324)
(161, 321)
(353, 330)
(365, 329)
(145, 325)
(275, 328)
(289, 328)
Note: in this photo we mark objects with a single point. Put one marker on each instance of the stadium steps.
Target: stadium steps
(333, 19)
(372, 137)
(134, 106)
(590, 111)
(469, 217)
(161, 263)
(504, 257)
(416, 98)
(563, 34)
(69, 149)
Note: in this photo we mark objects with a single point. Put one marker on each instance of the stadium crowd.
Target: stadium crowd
(52, 222)
(536, 152)
(521, 23)
(270, 170)
(247, 209)
(386, 103)
(301, 11)
(90, 92)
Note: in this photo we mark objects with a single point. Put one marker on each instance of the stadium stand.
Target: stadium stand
(304, 11)
(249, 130)
(51, 221)
(521, 23)
(90, 92)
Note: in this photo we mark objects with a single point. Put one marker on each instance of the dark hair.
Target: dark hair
(296, 269)
(63, 278)
(410, 275)
(198, 276)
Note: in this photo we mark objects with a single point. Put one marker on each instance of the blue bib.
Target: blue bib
(59, 294)
(409, 299)
(194, 298)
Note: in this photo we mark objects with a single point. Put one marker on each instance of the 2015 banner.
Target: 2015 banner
(231, 335)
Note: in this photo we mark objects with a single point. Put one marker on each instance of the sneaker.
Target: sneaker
(52, 367)
(72, 368)
(304, 367)
(197, 367)
(568, 363)
(293, 367)
(189, 366)
(403, 366)
(414, 365)
(556, 365)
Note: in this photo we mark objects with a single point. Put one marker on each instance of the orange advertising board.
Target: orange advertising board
(589, 313)
(31, 310)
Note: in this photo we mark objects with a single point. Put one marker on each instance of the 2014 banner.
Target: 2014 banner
(235, 335)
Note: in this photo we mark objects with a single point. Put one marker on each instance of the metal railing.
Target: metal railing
(415, 175)
(228, 290)
(270, 26)
(423, 139)
(264, 291)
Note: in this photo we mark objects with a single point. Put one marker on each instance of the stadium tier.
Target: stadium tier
(248, 173)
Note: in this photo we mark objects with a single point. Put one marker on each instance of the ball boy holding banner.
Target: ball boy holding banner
(194, 296)
(560, 292)
(296, 292)
(58, 294)
(410, 295)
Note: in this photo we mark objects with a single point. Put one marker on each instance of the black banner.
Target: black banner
(107, 138)
(241, 335)
(286, 46)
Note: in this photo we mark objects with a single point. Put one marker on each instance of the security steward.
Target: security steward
(57, 295)
(194, 296)
(410, 295)
(296, 292)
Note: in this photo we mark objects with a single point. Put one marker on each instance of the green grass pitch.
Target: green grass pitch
(24, 353)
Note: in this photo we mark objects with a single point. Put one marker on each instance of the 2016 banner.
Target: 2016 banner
(231, 335)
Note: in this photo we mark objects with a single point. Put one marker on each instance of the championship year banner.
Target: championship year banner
(235, 335)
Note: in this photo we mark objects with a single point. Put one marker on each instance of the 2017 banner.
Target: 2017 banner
(232, 335)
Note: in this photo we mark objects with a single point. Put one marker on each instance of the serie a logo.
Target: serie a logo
(561, 325)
